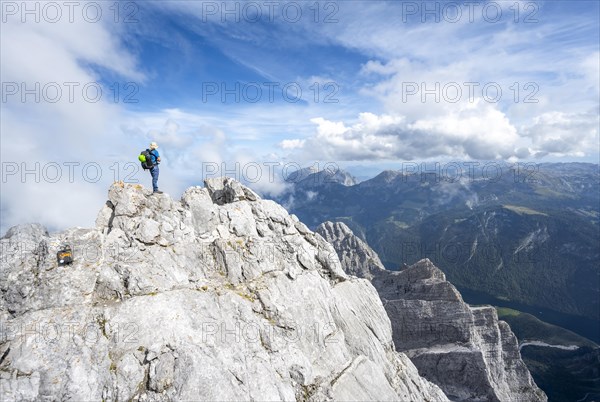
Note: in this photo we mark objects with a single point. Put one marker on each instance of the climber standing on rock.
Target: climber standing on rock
(154, 169)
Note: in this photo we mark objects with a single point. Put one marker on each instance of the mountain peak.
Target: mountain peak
(387, 176)
(465, 350)
(311, 177)
(219, 296)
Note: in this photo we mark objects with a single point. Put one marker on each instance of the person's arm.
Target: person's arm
(157, 155)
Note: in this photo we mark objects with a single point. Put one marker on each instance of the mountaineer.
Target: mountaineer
(150, 159)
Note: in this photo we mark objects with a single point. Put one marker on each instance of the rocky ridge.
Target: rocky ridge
(465, 350)
(218, 296)
(356, 257)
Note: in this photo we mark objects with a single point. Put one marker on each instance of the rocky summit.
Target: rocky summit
(218, 296)
(465, 350)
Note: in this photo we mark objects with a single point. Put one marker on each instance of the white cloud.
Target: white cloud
(543, 67)
(564, 134)
(194, 147)
(292, 144)
(45, 130)
(553, 53)
(474, 131)
(477, 130)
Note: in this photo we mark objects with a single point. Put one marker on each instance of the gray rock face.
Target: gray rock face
(356, 256)
(224, 190)
(465, 350)
(219, 296)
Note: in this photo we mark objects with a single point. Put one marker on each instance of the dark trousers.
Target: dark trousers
(154, 173)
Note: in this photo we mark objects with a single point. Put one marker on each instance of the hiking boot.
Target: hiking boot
(157, 192)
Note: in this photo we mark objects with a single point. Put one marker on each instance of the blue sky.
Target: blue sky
(362, 68)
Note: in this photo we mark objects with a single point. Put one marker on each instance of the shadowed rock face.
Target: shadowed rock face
(219, 296)
(465, 350)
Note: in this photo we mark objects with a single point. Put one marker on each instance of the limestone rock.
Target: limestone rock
(225, 190)
(466, 351)
(356, 256)
(219, 296)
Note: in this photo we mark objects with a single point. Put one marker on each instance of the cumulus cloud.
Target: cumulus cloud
(545, 83)
(562, 134)
(476, 131)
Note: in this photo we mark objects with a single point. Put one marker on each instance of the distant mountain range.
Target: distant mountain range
(525, 233)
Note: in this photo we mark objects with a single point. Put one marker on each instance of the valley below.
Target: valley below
(526, 245)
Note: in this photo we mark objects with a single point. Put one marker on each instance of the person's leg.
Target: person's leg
(154, 172)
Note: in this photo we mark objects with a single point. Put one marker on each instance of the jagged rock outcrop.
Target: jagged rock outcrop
(219, 296)
(465, 350)
(356, 256)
